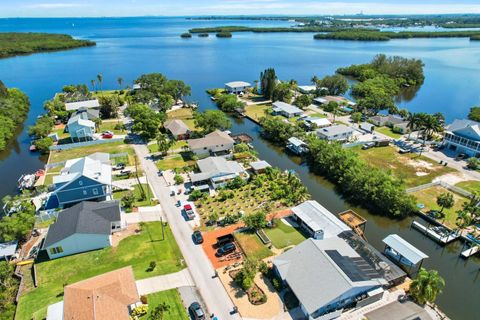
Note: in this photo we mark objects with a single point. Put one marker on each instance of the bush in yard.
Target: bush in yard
(213, 217)
(255, 220)
(241, 147)
(263, 268)
(195, 195)
(473, 163)
(119, 126)
(44, 144)
(236, 183)
(244, 278)
(128, 199)
(152, 266)
(139, 311)
(178, 179)
(144, 299)
(277, 284)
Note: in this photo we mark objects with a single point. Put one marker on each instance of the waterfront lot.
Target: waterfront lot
(252, 246)
(184, 114)
(112, 148)
(283, 235)
(136, 250)
(257, 111)
(415, 170)
(428, 197)
(388, 132)
(172, 299)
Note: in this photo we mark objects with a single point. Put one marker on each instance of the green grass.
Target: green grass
(174, 161)
(470, 186)
(317, 115)
(257, 111)
(388, 132)
(252, 246)
(284, 235)
(428, 197)
(183, 113)
(171, 298)
(137, 251)
(112, 148)
(415, 170)
(99, 93)
(60, 133)
(178, 145)
(138, 195)
(109, 125)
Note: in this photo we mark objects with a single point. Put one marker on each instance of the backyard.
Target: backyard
(257, 111)
(136, 250)
(252, 246)
(112, 148)
(172, 299)
(283, 235)
(428, 197)
(137, 192)
(388, 132)
(414, 169)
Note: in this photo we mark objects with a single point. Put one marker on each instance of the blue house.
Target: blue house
(80, 127)
(88, 178)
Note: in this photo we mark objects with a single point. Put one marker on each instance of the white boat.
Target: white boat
(26, 181)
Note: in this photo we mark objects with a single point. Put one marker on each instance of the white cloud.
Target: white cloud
(54, 5)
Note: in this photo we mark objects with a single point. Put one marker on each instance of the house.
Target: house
(8, 250)
(286, 110)
(317, 221)
(217, 171)
(87, 104)
(178, 129)
(237, 87)
(91, 114)
(296, 146)
(84, 227)
(80, 128)
(307, 89)
(112, 295)
(88, 178)
(259, 166)
(327, 276)
(315, 122)
(389, 120)
(463, 136)
(215, 142)
(367, 127)
(338, 132)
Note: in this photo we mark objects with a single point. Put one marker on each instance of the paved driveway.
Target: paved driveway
(165, 282)
(144, 214)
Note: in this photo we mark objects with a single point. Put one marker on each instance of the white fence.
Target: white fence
(83, 144)
(445, 185)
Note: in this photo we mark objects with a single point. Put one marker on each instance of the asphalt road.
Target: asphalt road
(211, 289)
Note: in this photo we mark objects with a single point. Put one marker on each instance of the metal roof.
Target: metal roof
(259, 165)
(335, 130)
(285, 107)
(82, 104)
(237, 84)
(296, 142)
(7, 249)
(404, 248)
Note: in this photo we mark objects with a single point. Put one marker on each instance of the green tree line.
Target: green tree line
(373, 35)
(14, 107)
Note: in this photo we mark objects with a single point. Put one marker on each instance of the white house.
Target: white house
(286, 110)
(316, 122)
(84, 227)
(366, 126)
(87, 104)
(463, 136)
(88, 178)
(217, 171)
(327, 276)
(214, 142)
(338, 132)
(237, 87)
(80, 128)
(307, 89)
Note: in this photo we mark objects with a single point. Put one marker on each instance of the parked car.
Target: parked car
(226, 249)
(197, 237)
(119, 166)
(402, 150)
(107, 135)
(224, 240)
(196, 311)
(189, 211)
(461, 156)
(368, 145)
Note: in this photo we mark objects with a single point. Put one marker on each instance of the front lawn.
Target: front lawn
(284, 235)
(172, 299)
(252, 246)
(428, 197)
(139, 202)
(257, 111)
(175, 161)
(110, 125)
(136, 250)
(388, 132)
(178, 145)
(470, 186)
(112, 148)
(414, 169)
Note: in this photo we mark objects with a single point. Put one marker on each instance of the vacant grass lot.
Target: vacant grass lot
(178, 145)
(137, 192)
(284, 235)
(252, 246)
(112, 148)
(388, 132)
(137, 251)
(257, 111)
(175, 161)
(415, 170)
(470, 186)
(428, 197)
(172, 299)
(109, 125)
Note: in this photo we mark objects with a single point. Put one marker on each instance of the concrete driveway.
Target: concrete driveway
(165, 282)
(144, 214)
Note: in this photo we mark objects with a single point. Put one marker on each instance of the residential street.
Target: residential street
(201, 270)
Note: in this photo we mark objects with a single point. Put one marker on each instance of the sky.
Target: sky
(96, 8)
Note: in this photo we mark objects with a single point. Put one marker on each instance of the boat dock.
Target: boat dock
(354, 221)
(470, 252)
(432, 233)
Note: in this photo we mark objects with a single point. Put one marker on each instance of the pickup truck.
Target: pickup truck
(224, 240)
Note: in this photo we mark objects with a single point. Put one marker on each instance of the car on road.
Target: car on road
(196, 311)
(226, 249)
(189, 211)
(197, 237)
(368, 145)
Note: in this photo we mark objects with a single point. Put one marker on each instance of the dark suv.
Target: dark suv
(226, 249)
(196, 311)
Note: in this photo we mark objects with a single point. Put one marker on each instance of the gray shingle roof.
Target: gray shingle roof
(213, 139)
(176, 127)
(85, 217)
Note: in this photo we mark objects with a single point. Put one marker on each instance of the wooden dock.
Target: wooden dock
(354, 221)
(470, 252)
(434, 235)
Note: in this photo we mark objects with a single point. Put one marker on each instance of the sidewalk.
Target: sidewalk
(165, 282)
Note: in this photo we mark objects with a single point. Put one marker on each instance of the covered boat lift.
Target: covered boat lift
(403, 253)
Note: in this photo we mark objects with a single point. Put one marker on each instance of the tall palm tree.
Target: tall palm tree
(412, 123)
(100, 79)
(427, 286)
(94, 84)
(335, 109)
(120, 82)
(431, 125)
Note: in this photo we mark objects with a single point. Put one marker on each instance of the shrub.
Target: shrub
(144, 299)
(43, 145)
(195, 195)
(178, 179)
(152, 266)
(263, 268)
(473, 163)
(128, 199)
(139, 311)
(277, 284)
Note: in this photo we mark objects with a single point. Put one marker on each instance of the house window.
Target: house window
(84, 192)
(56, 250)
(95, 191)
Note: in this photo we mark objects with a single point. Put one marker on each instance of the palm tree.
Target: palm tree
(427, 286)
(120, 82)
(100, 79)
(335, 108)
(314, 80)
(94, 84)
(431, 125)
(159, 311)
(412, 123)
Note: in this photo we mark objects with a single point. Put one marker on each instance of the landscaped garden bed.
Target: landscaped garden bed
(255, 294)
